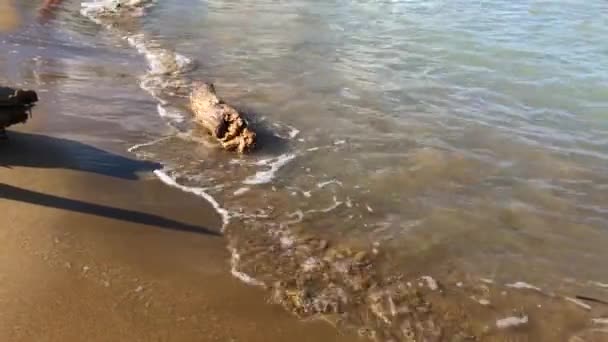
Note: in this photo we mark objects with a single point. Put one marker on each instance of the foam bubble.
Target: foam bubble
(522, 285)
(579, 303)
(160, 61)
(244, 277)
(263, 177)
(240, 191)
(511, 321)
(150, 143)
(599, 284)
(599, 320)
(170, 113)
(293, 132)
(110, 7)
(326, 183)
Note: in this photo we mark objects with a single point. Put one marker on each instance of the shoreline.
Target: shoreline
(137, 261)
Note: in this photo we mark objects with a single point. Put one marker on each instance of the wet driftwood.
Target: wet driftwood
(223, 122)
(15, 106)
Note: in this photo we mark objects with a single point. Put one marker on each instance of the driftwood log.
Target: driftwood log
(222, 121)
(15, 106)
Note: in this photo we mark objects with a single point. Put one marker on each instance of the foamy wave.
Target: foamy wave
(149, 143)
(244, 277)
(100, 8)
(160, 61)
(523, 285)
(172, 114)
(165, 178)
(578, 302)
(285, 131)
(263, 177)
(512, 321)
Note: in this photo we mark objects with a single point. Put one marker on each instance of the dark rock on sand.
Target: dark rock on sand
(15, 105)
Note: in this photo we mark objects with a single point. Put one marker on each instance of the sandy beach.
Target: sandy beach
(422, 171)
(94, 251)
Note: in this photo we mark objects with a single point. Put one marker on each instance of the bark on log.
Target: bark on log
(15, 106)
(224, 122)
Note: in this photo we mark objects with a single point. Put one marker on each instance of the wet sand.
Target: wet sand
(91, 252)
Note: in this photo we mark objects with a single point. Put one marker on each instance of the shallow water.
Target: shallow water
(459, 140)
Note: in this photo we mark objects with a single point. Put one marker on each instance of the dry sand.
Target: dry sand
(90, 253)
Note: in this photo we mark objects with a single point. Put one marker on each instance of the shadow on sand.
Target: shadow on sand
(34, 150)
(22, 195)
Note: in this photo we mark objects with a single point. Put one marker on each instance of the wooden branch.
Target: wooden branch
(222, 121)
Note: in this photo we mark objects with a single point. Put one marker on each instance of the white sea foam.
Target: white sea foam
(244, 277)
(240, 191)
(579, 303)
(297, 216)
(172, 114)
(522, 285)
(263, 177)
(160, 61)
(481, 301)
(293, 132)
(328, 209)
(99, 8)
(326, 183)
(599, 284)
(511, 321)
(149, 143)
(165, 178)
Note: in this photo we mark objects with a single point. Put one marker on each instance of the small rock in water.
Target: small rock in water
(512, 321)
